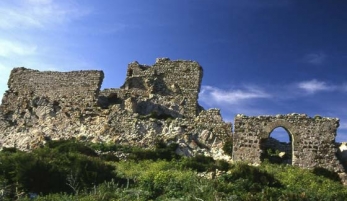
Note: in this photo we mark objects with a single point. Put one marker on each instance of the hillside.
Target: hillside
(71, 170)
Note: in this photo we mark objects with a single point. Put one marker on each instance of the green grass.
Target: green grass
(70, 170)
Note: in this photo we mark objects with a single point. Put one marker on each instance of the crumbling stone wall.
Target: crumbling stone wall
(175, 82)
(168, 88)
(313, 139)
(76, 87)
(155, 102)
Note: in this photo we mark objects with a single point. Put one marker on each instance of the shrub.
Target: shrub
(251, 178)
(228, 146)
(47, 170)
(199, 163)
(68, 146)
(319, 171)
(160, 151)
(61, 172)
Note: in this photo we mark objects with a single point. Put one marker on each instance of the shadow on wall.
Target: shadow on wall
(112, 99)
(147, 107)
(144, 108)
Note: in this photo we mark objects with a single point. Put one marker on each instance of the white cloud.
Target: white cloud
(37, 13)
(34, 34)
(315, 58)
(314, 86)
(211, 94)
(233, 101)
(10, 48)
(344, 87)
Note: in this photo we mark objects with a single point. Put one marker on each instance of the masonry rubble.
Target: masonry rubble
(155, 102)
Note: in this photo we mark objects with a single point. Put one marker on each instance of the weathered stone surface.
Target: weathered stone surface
(155, 102)
(312, 139)
(167, 88)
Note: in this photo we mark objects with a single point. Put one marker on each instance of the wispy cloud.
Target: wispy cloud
(263, 100)
(213, 95)
(33, 34)
(344, 87)
(314, 86)
(10, 48)
(315, 58)
(240, 99)
(22, 14)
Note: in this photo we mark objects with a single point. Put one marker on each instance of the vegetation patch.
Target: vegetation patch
(70, 170)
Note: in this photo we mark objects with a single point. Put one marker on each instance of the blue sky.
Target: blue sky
(259, 57)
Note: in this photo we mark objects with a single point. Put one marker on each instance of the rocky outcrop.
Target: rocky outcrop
(155, 102)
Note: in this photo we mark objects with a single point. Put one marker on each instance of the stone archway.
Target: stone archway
(276, 151)
(312, 138)
(288, 127)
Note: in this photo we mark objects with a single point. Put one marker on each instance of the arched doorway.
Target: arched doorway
(278, 147)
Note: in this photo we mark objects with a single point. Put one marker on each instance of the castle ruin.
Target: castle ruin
(155, 102)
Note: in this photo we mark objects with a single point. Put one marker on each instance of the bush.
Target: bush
(68, 146)
(161, 151)
(228, 146)
(250, 178)
(319, 171)
(59, 167)
(303, 181)
(61, 171)
(201, 163)
(167, 153)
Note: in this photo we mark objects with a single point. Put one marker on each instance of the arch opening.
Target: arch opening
(278, 147)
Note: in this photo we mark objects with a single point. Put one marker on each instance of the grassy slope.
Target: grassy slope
(73, 171)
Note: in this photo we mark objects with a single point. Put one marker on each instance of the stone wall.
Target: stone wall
(76, 87)
(313, 139)
(175, 81)
(155, 102)
(168, 88)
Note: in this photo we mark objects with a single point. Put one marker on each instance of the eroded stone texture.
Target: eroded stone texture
(76, 87)
(313, 139)
(168, 88)
(156, 102)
